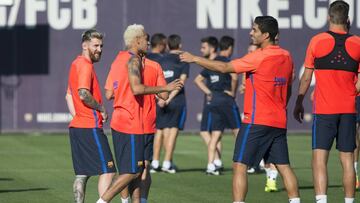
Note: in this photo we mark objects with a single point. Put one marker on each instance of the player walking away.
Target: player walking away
(269, 73)
(90, 149)
(334, 57)
(124, 85)
(208, 49)
(171, 113)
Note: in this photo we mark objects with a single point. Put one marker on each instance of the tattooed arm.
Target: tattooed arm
(89, 101)
(134, 67)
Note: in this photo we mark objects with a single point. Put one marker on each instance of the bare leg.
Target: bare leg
(124, 194)
(104, 182)
(290, 181)
(118, 185)
(240, 184)
(212, 147)
(347, 160)
(145, 181)
(158, 139)
(320, 176)
(79, 188)
(170, 144)
(235, 132)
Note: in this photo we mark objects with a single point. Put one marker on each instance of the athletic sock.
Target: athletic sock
(211, 167)
(155, 163)
(101, 201)
(273, 174)
(321, 198)
(166, 164)
(349, 200)
(217, 162)
(356, 167)
(294, 200)
(267, 170)
(126, 200)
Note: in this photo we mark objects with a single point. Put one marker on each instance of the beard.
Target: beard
(95, 56)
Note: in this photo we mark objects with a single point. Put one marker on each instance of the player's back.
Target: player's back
(267, 88)
(82, 75)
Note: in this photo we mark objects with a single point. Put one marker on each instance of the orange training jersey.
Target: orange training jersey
(268, 77)
(127, 116)
(335, 73)
(82, 75)
(152, 75)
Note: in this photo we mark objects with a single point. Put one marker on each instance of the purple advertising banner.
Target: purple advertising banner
(42, 38)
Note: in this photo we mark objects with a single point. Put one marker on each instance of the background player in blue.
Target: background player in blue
(208, 50)
(158, 47)
(222, 107)
(171, 113)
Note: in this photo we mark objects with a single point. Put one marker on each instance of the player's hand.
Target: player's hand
(242, 89)
(161, 103)
(299, 112)
(174, 85)
(104, 114)
(229, 93)
(187, 57)
(209, 97)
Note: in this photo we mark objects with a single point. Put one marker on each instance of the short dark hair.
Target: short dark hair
(226, 42)
(339, 12)
(174, 41)
(212, 41)
(268, 24)
(89, 34)
(157, 39)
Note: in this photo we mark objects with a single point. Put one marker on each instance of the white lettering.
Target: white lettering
(32, 7)
(84, 14)
(2, 16)
(14, 13)
(59, 18)
(212, 10)
(249, 10)
(232, 14)
(274, 8)
(310, 15)
(53, 117)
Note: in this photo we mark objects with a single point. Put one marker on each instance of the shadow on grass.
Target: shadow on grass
(311, 187)
(23, 190)
(6, 179)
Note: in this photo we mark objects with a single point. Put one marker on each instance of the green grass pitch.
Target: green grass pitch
(38, 168)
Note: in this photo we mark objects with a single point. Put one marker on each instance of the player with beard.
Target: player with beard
(125, 85)
(90, 149)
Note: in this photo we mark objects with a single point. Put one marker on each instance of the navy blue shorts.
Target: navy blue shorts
(327, 127)
(225, 116)
(206, 119)
(171, 116)
(90, 150)
(129, 152)
(358, 109)
(149, 147)
(255, 142)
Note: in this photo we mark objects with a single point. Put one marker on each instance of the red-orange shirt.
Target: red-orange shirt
(152, 75)
(82, 75)
(127, 116)
(268, 76)
(335, 90)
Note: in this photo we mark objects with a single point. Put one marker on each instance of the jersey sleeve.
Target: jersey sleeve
(310, 55)
(161, 78)
(204, 73)
(85, 76)
(185, 69)
(248, 63)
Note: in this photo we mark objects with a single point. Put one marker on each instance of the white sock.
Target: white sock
(166, 164)
(101, 201)
(217, 162)
(273, 174)
(267, 171)
(262, 163)
(321, 198)
(349, 200)
(143, 200)
(294, 200)
(126, 200)
(155, 163)
(211, 167)
(356, 167)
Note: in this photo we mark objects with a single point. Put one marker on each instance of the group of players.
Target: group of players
(136, 83)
